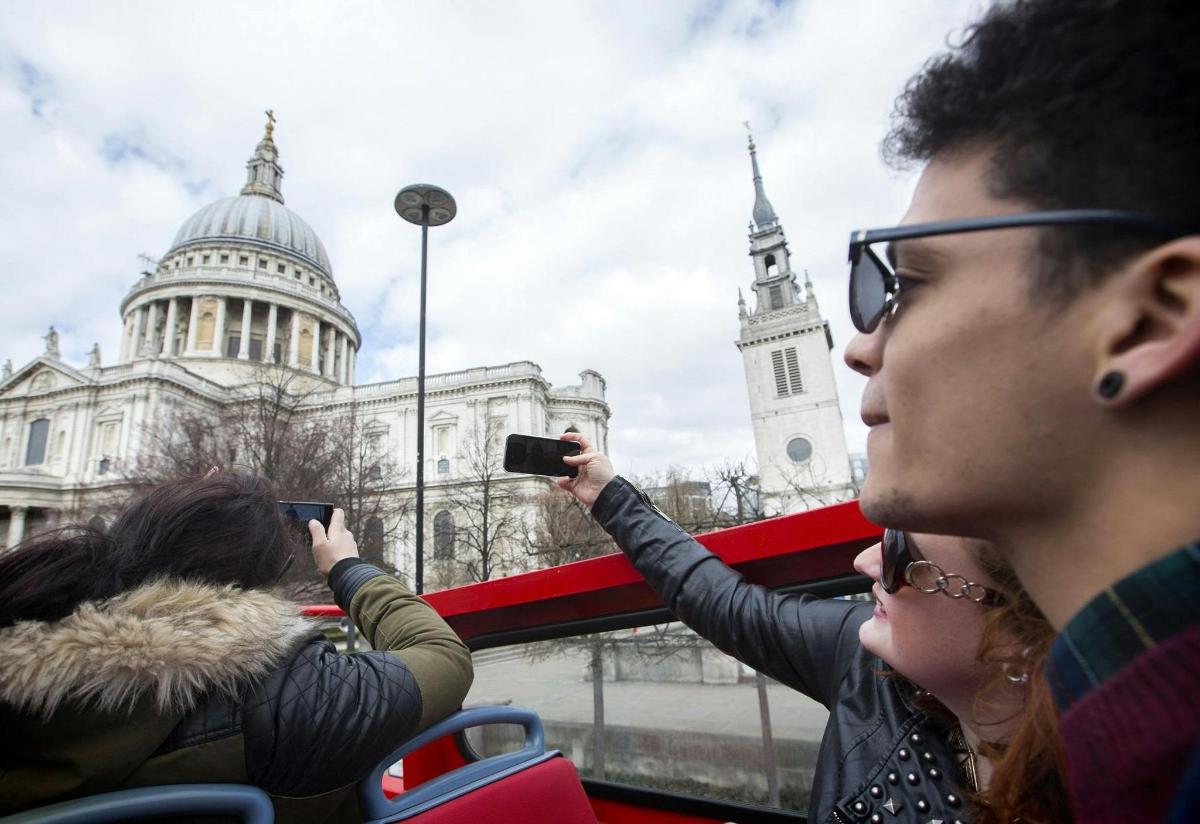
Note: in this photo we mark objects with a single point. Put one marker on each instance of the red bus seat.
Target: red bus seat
(526, 786)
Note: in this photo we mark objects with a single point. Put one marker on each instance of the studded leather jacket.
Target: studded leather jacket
(882, 759)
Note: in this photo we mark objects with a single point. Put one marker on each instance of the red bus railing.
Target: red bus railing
(788, 550)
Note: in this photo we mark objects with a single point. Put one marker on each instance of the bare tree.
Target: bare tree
(486, 511)
(806, 488)
(561, 530)
(267, 429)
(366, 482)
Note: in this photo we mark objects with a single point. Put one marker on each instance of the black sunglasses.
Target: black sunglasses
(899, 550)
(875, 289)
(904, 565)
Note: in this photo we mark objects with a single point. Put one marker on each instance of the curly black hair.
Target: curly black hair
(1081, 104)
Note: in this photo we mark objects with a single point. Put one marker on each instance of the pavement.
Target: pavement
(556, 688)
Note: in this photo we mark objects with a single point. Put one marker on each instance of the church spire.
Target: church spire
(264, 175)
(764, 214)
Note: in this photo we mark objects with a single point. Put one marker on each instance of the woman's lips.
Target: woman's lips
(880, 612)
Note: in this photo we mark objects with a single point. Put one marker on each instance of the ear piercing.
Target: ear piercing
(1110, 385)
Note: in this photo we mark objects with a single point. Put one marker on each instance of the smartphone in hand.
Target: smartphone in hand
(299, 513)
(539, 456)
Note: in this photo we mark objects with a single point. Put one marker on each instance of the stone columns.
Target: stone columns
(193, 327)
(272, 322)
(168, 347)
(125, 333)
(344, 365)
(16, 525)
(316, 349)
(353, 364)
(218, 346)
(151, 323)
(294, 354)
(244, 345)
(135, 346)
(330, 352)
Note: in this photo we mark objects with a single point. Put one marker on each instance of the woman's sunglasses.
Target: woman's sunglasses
(903, 565)
(875, 289)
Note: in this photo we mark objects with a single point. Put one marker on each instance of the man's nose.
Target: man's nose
(864, 354)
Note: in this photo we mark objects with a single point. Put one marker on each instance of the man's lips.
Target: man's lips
(871, 418)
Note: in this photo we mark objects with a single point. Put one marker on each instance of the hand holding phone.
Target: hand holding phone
(539, 456)
(332, 545)
(595, 471)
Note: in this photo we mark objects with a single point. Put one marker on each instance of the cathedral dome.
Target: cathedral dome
(258, 219)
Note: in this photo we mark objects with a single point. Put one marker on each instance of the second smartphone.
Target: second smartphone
(539, 456)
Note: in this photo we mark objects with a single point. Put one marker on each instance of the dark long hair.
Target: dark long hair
(222, 529)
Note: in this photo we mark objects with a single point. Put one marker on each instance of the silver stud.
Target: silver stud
(934, 773)
(953, 800)
(893, 806)
(860, 807)
(913, 779)
(904, 754)
(922, 805)
(916, 738)
(876, 791)
(893, 778)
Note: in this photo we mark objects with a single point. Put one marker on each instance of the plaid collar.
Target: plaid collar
(1125, 620)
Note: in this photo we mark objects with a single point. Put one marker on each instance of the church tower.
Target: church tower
(785, 345)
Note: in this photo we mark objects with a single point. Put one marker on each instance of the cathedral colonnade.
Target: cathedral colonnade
(209, 326)
(20, 521)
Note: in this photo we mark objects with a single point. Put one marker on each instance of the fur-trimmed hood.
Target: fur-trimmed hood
(172, 641)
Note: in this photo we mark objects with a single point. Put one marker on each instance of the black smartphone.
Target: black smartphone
(301, 512)
(539, 456)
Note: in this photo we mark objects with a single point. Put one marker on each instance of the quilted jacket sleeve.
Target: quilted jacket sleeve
(802, 641)
(326, 719)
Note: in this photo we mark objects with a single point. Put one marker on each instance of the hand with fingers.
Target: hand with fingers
(595, 470)
(338, 544)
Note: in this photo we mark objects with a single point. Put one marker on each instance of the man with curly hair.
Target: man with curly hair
(1031, 335)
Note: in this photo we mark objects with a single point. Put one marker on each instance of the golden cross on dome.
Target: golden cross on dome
(270, 121)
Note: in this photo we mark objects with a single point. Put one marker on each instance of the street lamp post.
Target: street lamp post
(426, 206)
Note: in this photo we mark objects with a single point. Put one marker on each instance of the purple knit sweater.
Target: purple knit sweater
(1129, 739)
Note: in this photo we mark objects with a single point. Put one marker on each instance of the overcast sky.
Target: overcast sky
(596, 151)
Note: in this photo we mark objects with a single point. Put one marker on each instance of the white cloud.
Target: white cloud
(595, 150)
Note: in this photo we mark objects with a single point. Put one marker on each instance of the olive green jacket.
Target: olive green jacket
(179, 682)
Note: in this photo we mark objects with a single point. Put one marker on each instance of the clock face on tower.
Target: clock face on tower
(799, 450)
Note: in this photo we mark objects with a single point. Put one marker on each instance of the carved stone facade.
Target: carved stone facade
(248, 282)
(785, 345)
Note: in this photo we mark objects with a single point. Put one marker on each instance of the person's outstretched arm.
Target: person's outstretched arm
(799, 640)
(326, 719)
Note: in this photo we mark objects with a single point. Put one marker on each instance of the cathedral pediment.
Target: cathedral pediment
(41, 376)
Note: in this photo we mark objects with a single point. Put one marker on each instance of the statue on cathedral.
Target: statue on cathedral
(94, 357)
(52, 344)
(270, 113)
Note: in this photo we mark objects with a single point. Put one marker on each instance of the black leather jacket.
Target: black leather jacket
(881, 759)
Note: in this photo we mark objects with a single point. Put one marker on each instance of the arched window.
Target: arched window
(771, 266)
(39, 430)
(443, 466)
(375, 473)
(104, 466)
(372, 548)
(443, 536)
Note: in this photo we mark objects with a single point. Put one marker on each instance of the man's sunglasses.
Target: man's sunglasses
(875, 289)
(903, 565)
